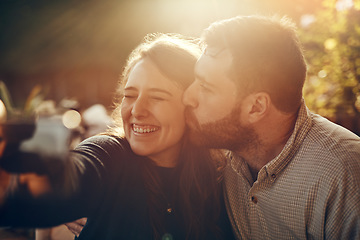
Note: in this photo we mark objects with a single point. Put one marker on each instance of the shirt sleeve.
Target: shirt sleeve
(342, 218)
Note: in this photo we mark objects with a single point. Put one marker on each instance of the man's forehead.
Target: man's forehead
(215, 58)
(214, 70)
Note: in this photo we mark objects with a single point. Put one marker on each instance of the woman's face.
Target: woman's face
(153, 114)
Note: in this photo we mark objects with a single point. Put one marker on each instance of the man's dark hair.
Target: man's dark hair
(267, 56)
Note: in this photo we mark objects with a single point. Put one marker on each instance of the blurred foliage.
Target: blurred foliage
(21, 113)
(332, 49)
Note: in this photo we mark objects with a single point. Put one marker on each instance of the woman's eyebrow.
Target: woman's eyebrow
(158, 90)
(130, 89)
(153, 90)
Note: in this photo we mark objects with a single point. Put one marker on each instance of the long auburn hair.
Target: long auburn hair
(198, 172)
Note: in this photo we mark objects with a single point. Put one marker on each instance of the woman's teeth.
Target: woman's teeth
(143, 129)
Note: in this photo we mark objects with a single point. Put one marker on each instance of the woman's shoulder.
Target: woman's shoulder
(105, 143)
(105, 139)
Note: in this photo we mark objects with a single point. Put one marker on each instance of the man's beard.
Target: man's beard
(226, 133)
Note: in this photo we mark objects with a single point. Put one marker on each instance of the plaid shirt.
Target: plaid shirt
(311, 190)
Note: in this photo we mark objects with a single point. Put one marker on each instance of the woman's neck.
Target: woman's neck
(168, 158)
(165, 160)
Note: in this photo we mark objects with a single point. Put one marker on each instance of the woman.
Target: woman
(152, 184)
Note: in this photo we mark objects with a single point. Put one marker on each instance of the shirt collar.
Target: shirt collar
(302, 127)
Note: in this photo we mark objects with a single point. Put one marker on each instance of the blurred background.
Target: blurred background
(75, 50)
(63, 58)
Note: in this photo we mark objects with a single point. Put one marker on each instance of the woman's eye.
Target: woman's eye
(126, 96)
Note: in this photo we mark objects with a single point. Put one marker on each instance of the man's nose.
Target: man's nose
(140, 108)
(190, 96)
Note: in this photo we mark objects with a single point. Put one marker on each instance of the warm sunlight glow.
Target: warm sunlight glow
(71, 119)
(2, 112)
(306, 20)
(330, 43)
(342, 5)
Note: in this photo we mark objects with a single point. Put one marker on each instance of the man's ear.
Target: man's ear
(257, 105)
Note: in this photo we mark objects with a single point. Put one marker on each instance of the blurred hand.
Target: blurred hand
(4, 176)
(4, 183)
(76, 226)
(2, 140)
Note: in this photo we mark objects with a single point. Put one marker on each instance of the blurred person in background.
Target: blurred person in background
(150, 184)
(95, 120)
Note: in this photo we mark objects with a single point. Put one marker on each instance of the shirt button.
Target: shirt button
(273, 175)
(254, 199)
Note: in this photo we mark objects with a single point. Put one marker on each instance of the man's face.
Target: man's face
(214, 106)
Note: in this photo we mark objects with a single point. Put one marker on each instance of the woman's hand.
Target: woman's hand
(76, 226)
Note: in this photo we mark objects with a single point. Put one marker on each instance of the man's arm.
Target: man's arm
(342, 219)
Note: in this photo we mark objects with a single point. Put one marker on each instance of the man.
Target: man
(291, 174)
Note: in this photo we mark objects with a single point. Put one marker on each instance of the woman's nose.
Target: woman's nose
(190, 96)
(140, 108)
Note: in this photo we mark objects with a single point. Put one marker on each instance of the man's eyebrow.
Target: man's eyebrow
(154, 90)
(202, 79)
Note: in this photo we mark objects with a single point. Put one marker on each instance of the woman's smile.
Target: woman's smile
(144, 129)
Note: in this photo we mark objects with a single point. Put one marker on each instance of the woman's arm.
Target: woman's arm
(71, 190)
(33, 193)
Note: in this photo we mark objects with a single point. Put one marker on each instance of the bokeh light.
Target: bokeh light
(322, 74)
(330, 43)
(71, 119)
(306, 20)
(342, 5)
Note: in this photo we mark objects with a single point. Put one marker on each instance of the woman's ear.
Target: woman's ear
(258, 106)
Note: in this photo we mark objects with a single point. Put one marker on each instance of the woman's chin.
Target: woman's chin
(140, 150)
